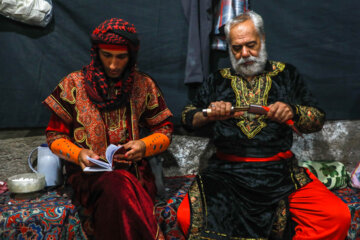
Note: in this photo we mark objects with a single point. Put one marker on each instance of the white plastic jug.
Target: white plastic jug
(48, 164)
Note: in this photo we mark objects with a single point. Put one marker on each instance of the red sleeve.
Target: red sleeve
(165, 127)
(56, 124)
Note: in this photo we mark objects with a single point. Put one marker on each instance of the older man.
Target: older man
(106, 103)
(253, 187)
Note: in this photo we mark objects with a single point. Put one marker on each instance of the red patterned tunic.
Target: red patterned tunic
(76, 118)
(94, 129)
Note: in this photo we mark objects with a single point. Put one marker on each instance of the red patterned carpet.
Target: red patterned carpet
(52, 215)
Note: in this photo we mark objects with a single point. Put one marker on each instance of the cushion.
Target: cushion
(355, 177)
(332, 173)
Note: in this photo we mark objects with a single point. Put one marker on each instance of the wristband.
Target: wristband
(65, 149)
(155, 143)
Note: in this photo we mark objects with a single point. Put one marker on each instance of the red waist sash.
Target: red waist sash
(234, 158)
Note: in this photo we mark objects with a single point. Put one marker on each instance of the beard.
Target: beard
(256, 68)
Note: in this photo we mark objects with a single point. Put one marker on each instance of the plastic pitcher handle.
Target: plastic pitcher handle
(29, 161)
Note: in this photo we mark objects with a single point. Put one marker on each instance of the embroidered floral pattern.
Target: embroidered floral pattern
(92, 127)
(279, 225)
(310, 120)
(146, 96)
(56, 107)
(197, 216)
(187, 109)
(116, 124)
(254, 92)
(301, 177)
(80, 134)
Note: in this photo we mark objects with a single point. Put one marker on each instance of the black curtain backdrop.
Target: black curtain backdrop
(33, 59)
(322, 39)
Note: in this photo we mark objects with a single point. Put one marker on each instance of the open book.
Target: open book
(103, 165)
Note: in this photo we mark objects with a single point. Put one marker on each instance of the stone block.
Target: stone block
(186, 155)
(338, 141)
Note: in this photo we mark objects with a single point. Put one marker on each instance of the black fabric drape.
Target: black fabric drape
(199, 16)
(237, 203)
(321, 39)
(33, 59)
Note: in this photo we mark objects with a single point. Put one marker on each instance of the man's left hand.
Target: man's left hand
(135, 150)
(280, 112)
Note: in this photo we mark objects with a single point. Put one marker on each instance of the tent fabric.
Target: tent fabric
(205, 18)
(33, 59)
(321, 39)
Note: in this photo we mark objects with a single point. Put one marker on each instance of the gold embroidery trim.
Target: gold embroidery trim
(150, 97)
(197, 216)
(251, 124)
(279, 224)
(132, 120)
(64, 93)
(198, 208)
(277, 67)
(120, 121)
(249, 127)
(158, 114)
(310, 120)
(85, 138)
(82, 130)
(186, 110)
(65, 111)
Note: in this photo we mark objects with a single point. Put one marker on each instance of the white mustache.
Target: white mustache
(248, 59)
(257, 66)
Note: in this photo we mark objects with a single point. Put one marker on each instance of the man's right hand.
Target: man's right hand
(83, 161)
(220, 110)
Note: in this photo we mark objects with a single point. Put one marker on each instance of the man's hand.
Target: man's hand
(83, 161)
(220, 110)
(280, 112)
(135, 151)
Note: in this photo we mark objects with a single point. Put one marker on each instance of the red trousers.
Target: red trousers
(120, 206)
(319, 214)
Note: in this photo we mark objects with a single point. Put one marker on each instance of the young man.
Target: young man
(105, 103)
(253, 187)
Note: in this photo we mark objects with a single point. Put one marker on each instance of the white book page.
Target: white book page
(97, 169)
(99, 162)
(101, 165)
(110, 151)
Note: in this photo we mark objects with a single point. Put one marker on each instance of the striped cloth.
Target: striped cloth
(224, 11)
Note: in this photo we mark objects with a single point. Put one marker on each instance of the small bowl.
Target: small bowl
(26, 183)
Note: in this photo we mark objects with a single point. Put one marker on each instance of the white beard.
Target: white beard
(252, 70)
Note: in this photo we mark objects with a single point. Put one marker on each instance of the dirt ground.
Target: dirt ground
(14, 152)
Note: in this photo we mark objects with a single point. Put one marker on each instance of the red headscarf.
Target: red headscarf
(114, 31)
